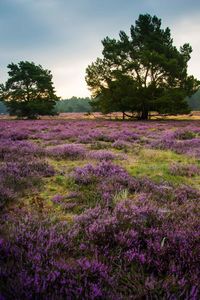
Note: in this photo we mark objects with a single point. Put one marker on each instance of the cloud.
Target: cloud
(186, 30)
(65, 36)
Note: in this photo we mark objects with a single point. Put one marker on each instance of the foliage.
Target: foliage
(102, 155)
(65, 151)
(73, 104)
(22, 167)
(3, 109)
(29, 90)
(184, 170)
(142, 73)
(125, 252)
(99, 227)
(194, 101)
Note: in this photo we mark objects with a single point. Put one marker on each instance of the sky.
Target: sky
(65, 36)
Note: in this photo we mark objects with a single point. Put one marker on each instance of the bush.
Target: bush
(66, 151)
(126, 252)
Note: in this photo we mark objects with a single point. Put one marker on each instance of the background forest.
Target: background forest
(78, 104)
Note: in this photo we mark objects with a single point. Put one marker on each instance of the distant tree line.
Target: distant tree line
(3, 108)
(194, 101)
(78, 104)
(73, 104)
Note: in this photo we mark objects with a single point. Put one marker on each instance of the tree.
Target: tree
(29, 90)
(142, 73)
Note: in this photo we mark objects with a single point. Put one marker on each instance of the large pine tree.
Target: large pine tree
(142, 73)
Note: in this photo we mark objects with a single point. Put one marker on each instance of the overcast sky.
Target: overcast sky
(65, 36)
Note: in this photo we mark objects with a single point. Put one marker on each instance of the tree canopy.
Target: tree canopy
(29, 90)
(142, 73)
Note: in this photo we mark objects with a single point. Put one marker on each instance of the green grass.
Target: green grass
(155, 165)
(140, 162)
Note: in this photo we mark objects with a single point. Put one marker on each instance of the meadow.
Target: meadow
(99, 209)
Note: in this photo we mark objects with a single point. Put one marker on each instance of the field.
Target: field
(99, 209)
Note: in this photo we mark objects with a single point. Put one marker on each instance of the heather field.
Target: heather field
(99, 209)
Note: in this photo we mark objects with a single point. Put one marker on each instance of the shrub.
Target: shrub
(16, 177)
(66, 151)
(184, 169)
(102, 155)
(151, 256)
(38, 264)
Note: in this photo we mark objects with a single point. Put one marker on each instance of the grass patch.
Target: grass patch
(155, 165)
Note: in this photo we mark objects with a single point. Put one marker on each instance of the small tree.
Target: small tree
(142, 73)
(29, 90)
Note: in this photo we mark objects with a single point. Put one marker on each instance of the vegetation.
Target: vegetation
(3, 109)
(138, 74)
(194, 101)
(99, 210)
(73, 104)
(142, 73)
(29, 90)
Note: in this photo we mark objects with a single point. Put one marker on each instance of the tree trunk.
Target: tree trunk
(144, 115)
(123, 115)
